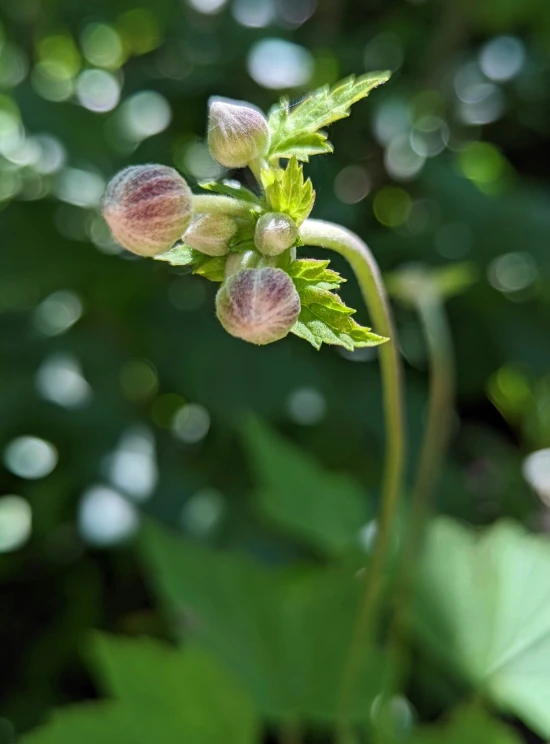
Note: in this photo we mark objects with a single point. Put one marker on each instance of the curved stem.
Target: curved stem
(217, 204)
(363, 263)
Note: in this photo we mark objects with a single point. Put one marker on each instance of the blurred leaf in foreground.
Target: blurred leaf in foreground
(483, 607)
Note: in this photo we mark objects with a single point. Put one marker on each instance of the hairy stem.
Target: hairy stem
(257, 166)
(215, 204)
(363, 263)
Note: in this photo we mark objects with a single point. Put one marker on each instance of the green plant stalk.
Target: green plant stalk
(438, 425)
(363, 263)
(217, 204)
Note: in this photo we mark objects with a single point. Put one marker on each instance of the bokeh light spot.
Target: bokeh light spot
(59, 379)
(132, 467)
(306, 406)
(279, 64)
(502, 58)
(512, 272)
(15, 522)
(202, 513)
(352, 184)
(138, 379)
(97, 90)
(105, 517)
(30, 457)
(102, 46)
(57, 313)
(191, 423)
(392, 206)
(143, 115)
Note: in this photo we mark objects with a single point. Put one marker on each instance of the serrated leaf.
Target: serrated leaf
(288, 192)
(294, 130)
(325, 509)
(319, 326)
(231, 188)
(314, 270)
(483, 608)
(324, 317)
(210, 267)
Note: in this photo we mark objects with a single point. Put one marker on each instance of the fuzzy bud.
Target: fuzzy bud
(237, 133)
(148, 208)
(211, 233)
(258, 305)
(275, 233)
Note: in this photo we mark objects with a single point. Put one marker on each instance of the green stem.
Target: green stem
(440, 411)
(257, 166)
(436, 436)
(216, 204)
(363, 263)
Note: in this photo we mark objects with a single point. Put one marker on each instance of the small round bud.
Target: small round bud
(237, 133)
(258, 305)
(211, 233)
(148, 208)
(275, 233)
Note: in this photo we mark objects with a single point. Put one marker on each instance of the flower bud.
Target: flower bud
(237, 133)
(148, 208)
(211, 233)
(258, 305)
(275, 233)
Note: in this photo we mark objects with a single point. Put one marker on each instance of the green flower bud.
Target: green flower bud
(258, 305)
(148, 208)
(237, 133)
(211, 233)
(275, 233)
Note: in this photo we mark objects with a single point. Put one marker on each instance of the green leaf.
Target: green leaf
(483, 608)
(467, 725)
(283, 633)
(294, 130)
(231, 188)
(210, 267)
(287, 192)
(163, 695)
(86, 724)
(324, 509)
(324, 317)
(313, 270)
(183, 693)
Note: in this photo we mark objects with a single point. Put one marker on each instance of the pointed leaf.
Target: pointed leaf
(230, 188)
(294, 130)
(288, 192)
(324, 509)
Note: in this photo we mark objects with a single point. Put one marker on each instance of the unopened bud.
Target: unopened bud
(148, 208)
(237, 133)
(211, 233)
(275, 233)
(258, 305)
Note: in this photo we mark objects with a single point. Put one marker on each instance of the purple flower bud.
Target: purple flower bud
(148, 208)
(237, 133)
(258, 305)
(211, 233)
(275, 233)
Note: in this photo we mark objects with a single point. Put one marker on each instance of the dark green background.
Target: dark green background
(135, 322)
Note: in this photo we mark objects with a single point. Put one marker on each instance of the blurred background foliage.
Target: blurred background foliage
(120, 394)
